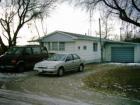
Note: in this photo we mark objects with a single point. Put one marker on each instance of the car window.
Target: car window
(15, 50)
(57, 57)
(28, 51)
(76, 56)
(69, 58)
(36, 50)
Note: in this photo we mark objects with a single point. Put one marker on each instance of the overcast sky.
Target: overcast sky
(63, 18)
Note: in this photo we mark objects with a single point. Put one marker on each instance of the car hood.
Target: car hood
(46, 63)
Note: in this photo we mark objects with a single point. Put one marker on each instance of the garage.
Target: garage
(122, 54)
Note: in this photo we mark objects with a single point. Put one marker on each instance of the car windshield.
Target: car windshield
(57, 57)
(15, 50)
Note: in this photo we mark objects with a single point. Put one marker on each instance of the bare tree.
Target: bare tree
(126, 10)
(130, 31)
(20, 12)
(107, 24)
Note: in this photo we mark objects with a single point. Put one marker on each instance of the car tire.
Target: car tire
(81, 68)
(20, 68)
(60, 72)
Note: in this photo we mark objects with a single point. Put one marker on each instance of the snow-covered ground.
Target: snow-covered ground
(19, 98)
(123, 64)
(52, 90)
(13, 76)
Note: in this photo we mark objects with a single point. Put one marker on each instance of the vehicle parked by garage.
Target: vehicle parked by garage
(21, 58)
(59, 64)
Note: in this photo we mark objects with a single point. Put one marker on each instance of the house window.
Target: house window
(49, 46)
(78, 47)
(95, 46)
(84, 47)
(62, 46)
(55, 46)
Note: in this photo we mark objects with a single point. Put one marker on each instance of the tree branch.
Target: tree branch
(133, 2)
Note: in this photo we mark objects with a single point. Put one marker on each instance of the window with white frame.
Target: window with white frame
(61, 46)
(95, 46)
(49, 46)
(85, 47)
(78, 47)
(54, 46)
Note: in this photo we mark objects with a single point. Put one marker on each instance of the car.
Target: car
(21, 58)
(60, 63)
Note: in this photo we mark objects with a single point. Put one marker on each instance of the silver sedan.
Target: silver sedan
(59, 64)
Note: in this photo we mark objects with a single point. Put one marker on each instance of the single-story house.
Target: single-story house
(89, 47)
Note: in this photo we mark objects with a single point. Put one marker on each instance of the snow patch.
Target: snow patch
(123, 64)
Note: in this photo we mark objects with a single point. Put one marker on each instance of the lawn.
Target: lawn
(123, 80)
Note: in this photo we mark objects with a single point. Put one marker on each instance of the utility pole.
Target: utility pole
(101, 40)
(120, 34)
(90, 21)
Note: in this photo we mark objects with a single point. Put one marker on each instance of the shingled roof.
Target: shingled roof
(76, 36)
(83, 37)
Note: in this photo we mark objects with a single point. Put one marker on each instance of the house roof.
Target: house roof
(84, 37)
(79, 36)
(74, 36)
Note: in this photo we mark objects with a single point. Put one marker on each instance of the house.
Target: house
(89, 47)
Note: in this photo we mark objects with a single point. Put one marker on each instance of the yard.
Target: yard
(122, 80)
(78, 87)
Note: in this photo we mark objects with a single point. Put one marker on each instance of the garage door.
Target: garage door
(122, 54)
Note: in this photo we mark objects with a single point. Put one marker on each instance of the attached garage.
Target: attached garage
(122, 54)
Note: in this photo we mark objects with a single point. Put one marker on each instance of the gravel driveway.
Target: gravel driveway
(69, 87)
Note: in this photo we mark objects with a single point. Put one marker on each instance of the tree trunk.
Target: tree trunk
(3, 46)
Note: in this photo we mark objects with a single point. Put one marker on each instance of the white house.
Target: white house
(89, 48)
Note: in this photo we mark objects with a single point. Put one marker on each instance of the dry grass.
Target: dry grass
(124, 80)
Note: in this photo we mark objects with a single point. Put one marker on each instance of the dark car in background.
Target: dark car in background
(21, 58)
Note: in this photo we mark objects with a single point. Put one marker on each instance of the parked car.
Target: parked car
(21, 58)
(59, 64)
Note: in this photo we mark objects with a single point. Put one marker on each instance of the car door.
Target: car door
(28, 57)
(76, 61)
(69, 63)
(38, 56)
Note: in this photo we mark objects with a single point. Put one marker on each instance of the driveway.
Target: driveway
(8, 97)
(69, 88)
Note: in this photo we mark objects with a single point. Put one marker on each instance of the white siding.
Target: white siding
(107, 53)
(137, 53)
(88, 55)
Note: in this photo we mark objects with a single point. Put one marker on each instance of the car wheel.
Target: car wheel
(81, 68)
(21, 68)
(60, 72)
